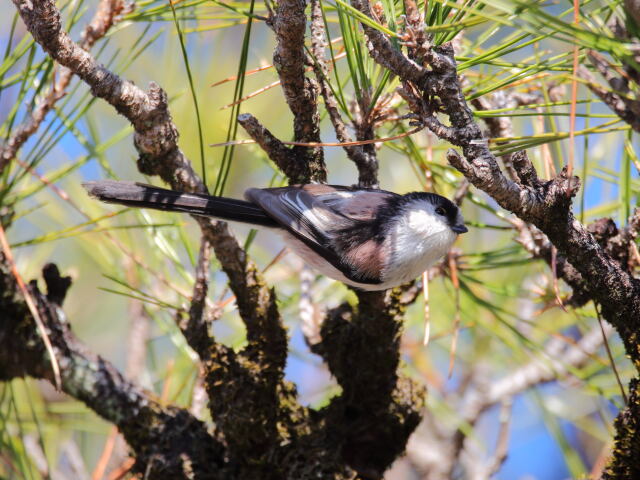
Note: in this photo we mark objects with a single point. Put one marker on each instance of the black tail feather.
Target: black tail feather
(134, 194)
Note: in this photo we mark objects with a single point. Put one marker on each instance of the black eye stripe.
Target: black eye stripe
(390, 208)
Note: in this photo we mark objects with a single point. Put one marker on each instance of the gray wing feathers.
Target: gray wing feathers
(312, 221)
(298, 210)
(359, 205)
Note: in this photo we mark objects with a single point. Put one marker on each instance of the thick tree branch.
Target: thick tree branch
(156, 135)
(520, 170)
(546, 205)
(395, 415)
(396, 411)
(166, 437)
(378, 409)
(300, 92)
(255, 411)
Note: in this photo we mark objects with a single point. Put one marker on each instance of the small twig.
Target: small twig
(524, 168)
(574, 95)
(251, 95)
(293, 167)
(122, 470)
(502, 445)
(461, 192)
(268, 87)
(453, 269)
(383, 52)
(554, 278)
(625, 108)
(263, 68)
(271, 142)
(245, 74)
(105, 456)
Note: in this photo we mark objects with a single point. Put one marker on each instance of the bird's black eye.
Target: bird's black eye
(440, 211)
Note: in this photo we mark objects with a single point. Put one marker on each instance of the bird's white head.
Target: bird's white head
(420, 232)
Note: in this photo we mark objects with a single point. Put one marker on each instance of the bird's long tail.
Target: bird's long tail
(134, 194)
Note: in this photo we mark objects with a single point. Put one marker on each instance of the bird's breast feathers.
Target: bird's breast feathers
(419, 240)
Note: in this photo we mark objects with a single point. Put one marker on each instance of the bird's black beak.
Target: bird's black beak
(460, 228)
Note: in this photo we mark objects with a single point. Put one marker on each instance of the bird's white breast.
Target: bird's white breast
(419, 240)
(315, 261)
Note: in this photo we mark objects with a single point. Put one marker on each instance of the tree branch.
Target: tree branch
(439, 449)
(167, 437)
(378, 409)
(364, 156)
(300, 92)
(383, 52)
(544, 204)
(196, 327)
(619, 97)
(285, 158)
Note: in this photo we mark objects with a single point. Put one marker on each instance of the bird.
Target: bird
(368, 238)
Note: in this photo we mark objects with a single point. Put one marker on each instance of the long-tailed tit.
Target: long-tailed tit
(370, 239)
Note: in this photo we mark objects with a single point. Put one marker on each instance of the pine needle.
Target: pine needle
(327, 144)
(613, 363)
(574, 96)
(453, 269)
